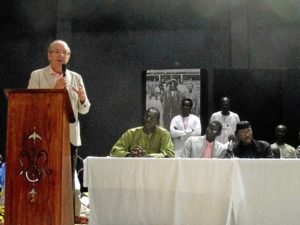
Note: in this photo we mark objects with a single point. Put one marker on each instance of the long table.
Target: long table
(137, 191)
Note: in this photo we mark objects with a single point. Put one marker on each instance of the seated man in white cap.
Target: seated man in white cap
(246, 146)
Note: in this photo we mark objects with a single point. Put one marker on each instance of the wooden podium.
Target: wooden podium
(38, 159)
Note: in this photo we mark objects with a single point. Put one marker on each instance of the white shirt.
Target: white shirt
(286, 150)
(181, 128)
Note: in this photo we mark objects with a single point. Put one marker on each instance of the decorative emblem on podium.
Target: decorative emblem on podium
(33, 162)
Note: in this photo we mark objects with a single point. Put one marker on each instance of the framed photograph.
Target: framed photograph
(165, 90)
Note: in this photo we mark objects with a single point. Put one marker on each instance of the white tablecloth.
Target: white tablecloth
(137, 191)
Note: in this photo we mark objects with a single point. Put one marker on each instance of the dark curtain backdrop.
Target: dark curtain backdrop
(112, 42)
(266, 98)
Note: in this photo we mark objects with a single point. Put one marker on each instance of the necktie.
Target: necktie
(207, 153)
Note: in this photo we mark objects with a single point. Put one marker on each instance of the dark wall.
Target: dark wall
(112, 42)
(113, 78)
(26, 30)
(266, 98)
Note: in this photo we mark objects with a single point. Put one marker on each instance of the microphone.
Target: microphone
(231, 139)
(64, 68)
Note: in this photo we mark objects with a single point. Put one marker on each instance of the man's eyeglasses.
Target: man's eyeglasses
(60, 52)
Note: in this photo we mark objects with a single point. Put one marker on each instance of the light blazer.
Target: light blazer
(195, 146)
(42, 79)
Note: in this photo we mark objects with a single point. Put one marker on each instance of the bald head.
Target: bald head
(151, 119)
(225, 105)
(280, 134)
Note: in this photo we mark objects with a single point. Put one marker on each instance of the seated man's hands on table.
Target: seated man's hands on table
(137, 152)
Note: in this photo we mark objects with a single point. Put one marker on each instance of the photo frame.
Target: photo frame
(165, 89)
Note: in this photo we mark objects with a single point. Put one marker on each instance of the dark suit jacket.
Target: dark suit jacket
(257, 149)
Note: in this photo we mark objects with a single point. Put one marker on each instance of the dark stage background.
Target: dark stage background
(250, 49)
(266, 98)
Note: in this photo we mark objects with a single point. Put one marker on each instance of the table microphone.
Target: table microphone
(231, 140)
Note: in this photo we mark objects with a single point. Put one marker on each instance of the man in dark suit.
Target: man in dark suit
(246, 146)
